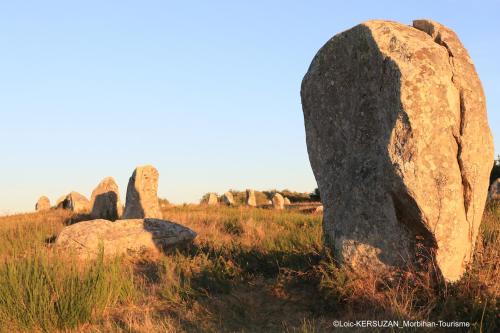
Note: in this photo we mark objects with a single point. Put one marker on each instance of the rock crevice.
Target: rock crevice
(438, 39)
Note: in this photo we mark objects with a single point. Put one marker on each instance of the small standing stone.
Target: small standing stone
(105, 200)
(42, 204)
(278, 201)
(251, 200)
(228, 198)
(212, 199)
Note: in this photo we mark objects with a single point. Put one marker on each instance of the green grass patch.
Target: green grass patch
(43, 293)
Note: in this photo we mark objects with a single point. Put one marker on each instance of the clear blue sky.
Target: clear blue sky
(207, 91)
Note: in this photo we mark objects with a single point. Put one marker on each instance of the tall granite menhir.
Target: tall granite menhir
(399, 143)
(142, 194)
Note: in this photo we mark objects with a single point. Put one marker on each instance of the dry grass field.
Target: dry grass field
(249, 270)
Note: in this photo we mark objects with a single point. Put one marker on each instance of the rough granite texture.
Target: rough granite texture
(142, 194)
(400, 146)
(120, 237)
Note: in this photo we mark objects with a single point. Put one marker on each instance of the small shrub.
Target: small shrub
(175, 274)
(233, 226)
(215, 277)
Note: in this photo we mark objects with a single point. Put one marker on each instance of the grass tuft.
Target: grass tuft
(45, 293)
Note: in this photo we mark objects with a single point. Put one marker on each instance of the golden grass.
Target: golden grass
(249, 270)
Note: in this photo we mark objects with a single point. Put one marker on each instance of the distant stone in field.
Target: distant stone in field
(278, 201)
(142, 194)
(398, 139)
(121, 237)
(212, 199)
(75, 202)
(494, 193)
(228, 198)
(42, 204)
(287, 201)
(105, 200)
(164, 203)
(318, 209)
(251, 201)
(60, 200)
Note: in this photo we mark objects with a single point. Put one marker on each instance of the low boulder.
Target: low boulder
(84, 239)
(42, 204)
(287, 201)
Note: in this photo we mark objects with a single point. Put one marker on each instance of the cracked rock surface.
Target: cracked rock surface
(400, 146)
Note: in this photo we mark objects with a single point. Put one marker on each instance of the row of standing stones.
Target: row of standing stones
(399, 142)
(141, 225)
(278, 201)
(140, 228)
(105, 203)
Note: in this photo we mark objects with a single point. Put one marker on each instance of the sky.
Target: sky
(206, 91)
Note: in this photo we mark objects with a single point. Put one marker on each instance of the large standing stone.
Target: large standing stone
(105, 200)
(228, 198)
(42, 204)
(494, 193)
(142, 197)
(278, 201)
(251, 200)
(75, 202)
(123, 236)
(399, 143)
